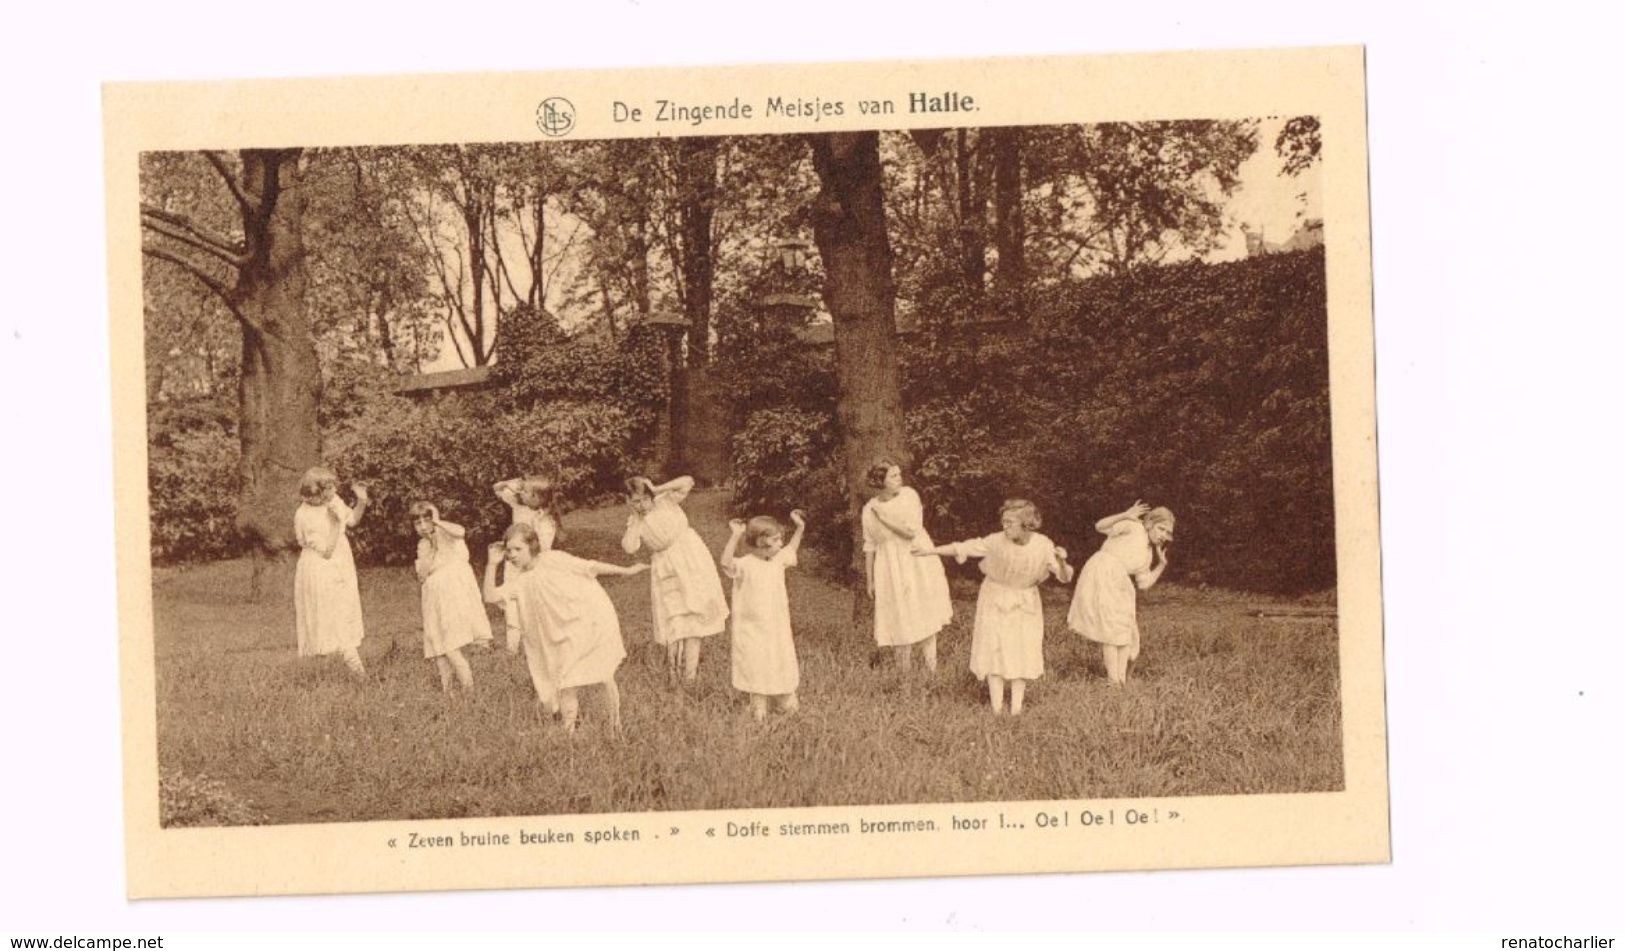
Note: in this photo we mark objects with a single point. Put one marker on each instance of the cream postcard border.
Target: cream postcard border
(1187, 832)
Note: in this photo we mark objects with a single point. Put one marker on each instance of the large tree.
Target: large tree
(849, 227)
(252, 258)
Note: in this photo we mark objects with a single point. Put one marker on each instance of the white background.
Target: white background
(1495, 222)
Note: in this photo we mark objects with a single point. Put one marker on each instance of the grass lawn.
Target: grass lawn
(1233, 694)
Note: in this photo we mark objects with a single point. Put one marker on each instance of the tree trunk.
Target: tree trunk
(1010, 233)
(474, 222)
(701, 436)
(281, 381)
(972, 203)
(849, 226)
(538, 258)
(707, 421)
(675, 458)
(609, 311)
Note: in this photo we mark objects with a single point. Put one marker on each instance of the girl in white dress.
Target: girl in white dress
(687, 594)
(1007, 641)
(326, 594)
(532, 500)
(568, 625)
(910, 594)
(453, 612)
(1134, 555)
(763, 649)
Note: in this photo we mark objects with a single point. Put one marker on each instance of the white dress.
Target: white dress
(570, 631)
(547, 531)
(453, 611)
(1007, 639)
(683, 582)
(1103, 607)
(763, 650)
(911, 593)
(326, 594)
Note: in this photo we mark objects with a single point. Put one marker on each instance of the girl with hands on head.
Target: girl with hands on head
(685, 592)
(763, 649)
(326, 591)
(911, 602)
(453, 612)
(1134, 555)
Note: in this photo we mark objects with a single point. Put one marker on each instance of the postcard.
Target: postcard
(750, 473)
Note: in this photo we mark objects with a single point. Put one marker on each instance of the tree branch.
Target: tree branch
(175, 233)
(247, 205)
(451, 334)
(231, 251)
(501, 263)
(559, 258)
(220, 290)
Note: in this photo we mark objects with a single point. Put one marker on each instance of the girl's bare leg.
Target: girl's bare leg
(1116, 664)
(995, 693)
(905, 656)
(510, 624)
(674, 660)
(459, 666)
(1018, 693)
(789, 704)
(758, 706)
(443, 668)
(612, 703)
(691, 658)
(569, 708)
(928, 650)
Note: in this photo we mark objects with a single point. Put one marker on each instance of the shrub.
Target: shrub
(786, 459)
(451, 452)
(539, 365)
(191, 485)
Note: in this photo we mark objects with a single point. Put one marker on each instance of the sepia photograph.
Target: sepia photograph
(701, 471)
(906, 467)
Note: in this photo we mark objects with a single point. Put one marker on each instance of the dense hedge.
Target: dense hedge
(579, 410)
(448, 452)
(1202, 387)
(1211, 396)
(451, 451)
(787, 458)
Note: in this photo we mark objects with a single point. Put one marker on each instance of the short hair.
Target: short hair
(636, 488)
(1031, 518)
(761, 526)
(538, 492)
(876, 476)
(316, 480)
(1158, 516)
(420, 508)
(526, 533)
